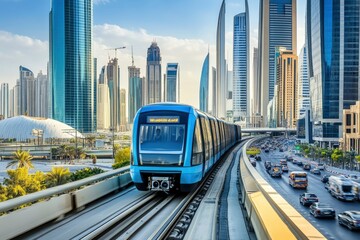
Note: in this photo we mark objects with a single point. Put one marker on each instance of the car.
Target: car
(267, 165)
(253, 162)
(322, 210)
(325, 178)
(289, 158)
(350, 219)
(321, 166)
(306, 166)
(281, 150)
(285, 168)
(300, 163)
(294, 161)
(251, 156)
(306, 199)
(257, 158)
(266, 150)
(315, 171)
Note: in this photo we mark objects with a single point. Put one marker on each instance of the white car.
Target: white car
(320, 166)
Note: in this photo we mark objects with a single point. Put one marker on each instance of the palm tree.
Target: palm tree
(57, 176)
(21, 159)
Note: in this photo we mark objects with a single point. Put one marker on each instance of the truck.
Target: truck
(341, 187)
(298, 179)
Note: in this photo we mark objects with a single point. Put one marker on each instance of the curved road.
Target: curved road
(330, 228)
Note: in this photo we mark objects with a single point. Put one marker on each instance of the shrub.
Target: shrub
(122, 158)
(84, 173)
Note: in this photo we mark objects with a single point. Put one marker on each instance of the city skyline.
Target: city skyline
(29, 46)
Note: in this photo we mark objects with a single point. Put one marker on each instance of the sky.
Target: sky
(185, 31)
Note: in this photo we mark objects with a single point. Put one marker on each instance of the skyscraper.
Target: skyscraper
(220, 91)
(71, 63)
(256, 85)
(303, 86)
(113, 81)
(153, 74)
(135, 92)
(172, 82)
(95, 93)
(103, 101)
(214, 84)
(333, 53)
(277, 27)
(241, 65)
(4, 100)
(41, 95)
(26, 96)
(122, 110)
(204, 86)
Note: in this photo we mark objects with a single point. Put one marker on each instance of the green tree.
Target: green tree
(57, 176)
(336, 156)
(21, 159)
(122, 158)
(90, 140)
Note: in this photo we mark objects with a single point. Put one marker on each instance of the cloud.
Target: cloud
(98, 2)
(19, 50)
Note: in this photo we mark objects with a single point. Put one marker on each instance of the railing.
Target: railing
(54, 202)
(269, 214)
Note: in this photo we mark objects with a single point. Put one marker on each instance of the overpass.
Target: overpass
(269, 130)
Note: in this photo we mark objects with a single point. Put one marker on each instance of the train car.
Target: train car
(174, 146)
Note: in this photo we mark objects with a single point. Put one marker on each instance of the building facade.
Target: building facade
(333, 53)
(135, 92)
(26, 97)
(204, 86)
(172, 85)
(287, 97)
(153, 74)
(4, 100)
(303, 85)
(123, 127)
(113, 79)
(351, 128)
(103, 101)
(221, 90)
(41, 95)
(241, 66)
(277, 27)
(71, 63)
(256, 85)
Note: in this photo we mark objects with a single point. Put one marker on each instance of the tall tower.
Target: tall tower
(71, 71)
(103, 101)
(113, 78)
(41, 95)
(221, 91)
(153, 74)
(303, 85)
(4, 100)
(172, 82)
(256, 84)
(135, 91)
(241, 65)
(333, 29)
(204, 86)
(122, 110)
(277, 27)
(26, 96)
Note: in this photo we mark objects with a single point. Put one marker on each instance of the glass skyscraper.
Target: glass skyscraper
(71, 63)
(204, 86)
(333, 53)
(277, 28)
(303, 88)
(221, 90)
(241, 63)
(135, 92)
(172, 82)
(153, 74)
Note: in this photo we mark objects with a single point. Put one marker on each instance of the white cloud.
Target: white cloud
(16, 50)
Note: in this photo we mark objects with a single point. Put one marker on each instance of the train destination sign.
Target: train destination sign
(163, 119)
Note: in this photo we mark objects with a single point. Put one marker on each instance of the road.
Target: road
(328, 227)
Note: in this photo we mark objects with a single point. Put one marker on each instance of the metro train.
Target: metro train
(175, 145)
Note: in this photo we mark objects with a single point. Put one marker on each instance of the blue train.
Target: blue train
(174, 146)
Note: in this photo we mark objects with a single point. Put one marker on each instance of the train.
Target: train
(174, 146)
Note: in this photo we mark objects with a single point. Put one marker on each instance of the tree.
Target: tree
(122, 158)
(57, 176)
(337, 155)
(91, 141)
(21, 159)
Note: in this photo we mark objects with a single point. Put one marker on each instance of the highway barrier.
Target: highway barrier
(55, 202)
(268, 213)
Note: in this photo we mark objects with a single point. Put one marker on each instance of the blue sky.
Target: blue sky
(182, 28)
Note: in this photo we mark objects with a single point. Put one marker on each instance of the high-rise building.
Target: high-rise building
(14, 100)
(26, 97)
(213, 94)
(103, 101)
(135, 92)
(256, 88)
(333, 53)
(11, 102)
(277, 27)
(4, 100)
(204, 86)
(71, 63)
(153, 74)
(303, 86)
(95, 93)
(241, 66)
(123, 110)
(41, 95)
(220, 91)
(172, 82)
(113, 79)
(287, 97)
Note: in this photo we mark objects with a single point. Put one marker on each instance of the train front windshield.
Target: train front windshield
(161, 144)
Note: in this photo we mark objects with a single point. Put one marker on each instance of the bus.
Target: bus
(298, 179)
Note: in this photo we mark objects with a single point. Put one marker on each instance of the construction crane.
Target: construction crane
(115, 49)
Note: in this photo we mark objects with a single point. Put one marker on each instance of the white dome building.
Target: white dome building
(23, 127)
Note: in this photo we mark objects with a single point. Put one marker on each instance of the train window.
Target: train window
(197, 151)
(208, 130)
(206, 137)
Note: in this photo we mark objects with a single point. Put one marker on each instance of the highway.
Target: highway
(328, 227)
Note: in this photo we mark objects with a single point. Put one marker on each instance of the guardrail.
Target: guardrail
(54, 202)
(269, 214)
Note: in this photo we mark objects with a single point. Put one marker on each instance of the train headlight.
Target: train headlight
(164, 184)
(155, 184)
